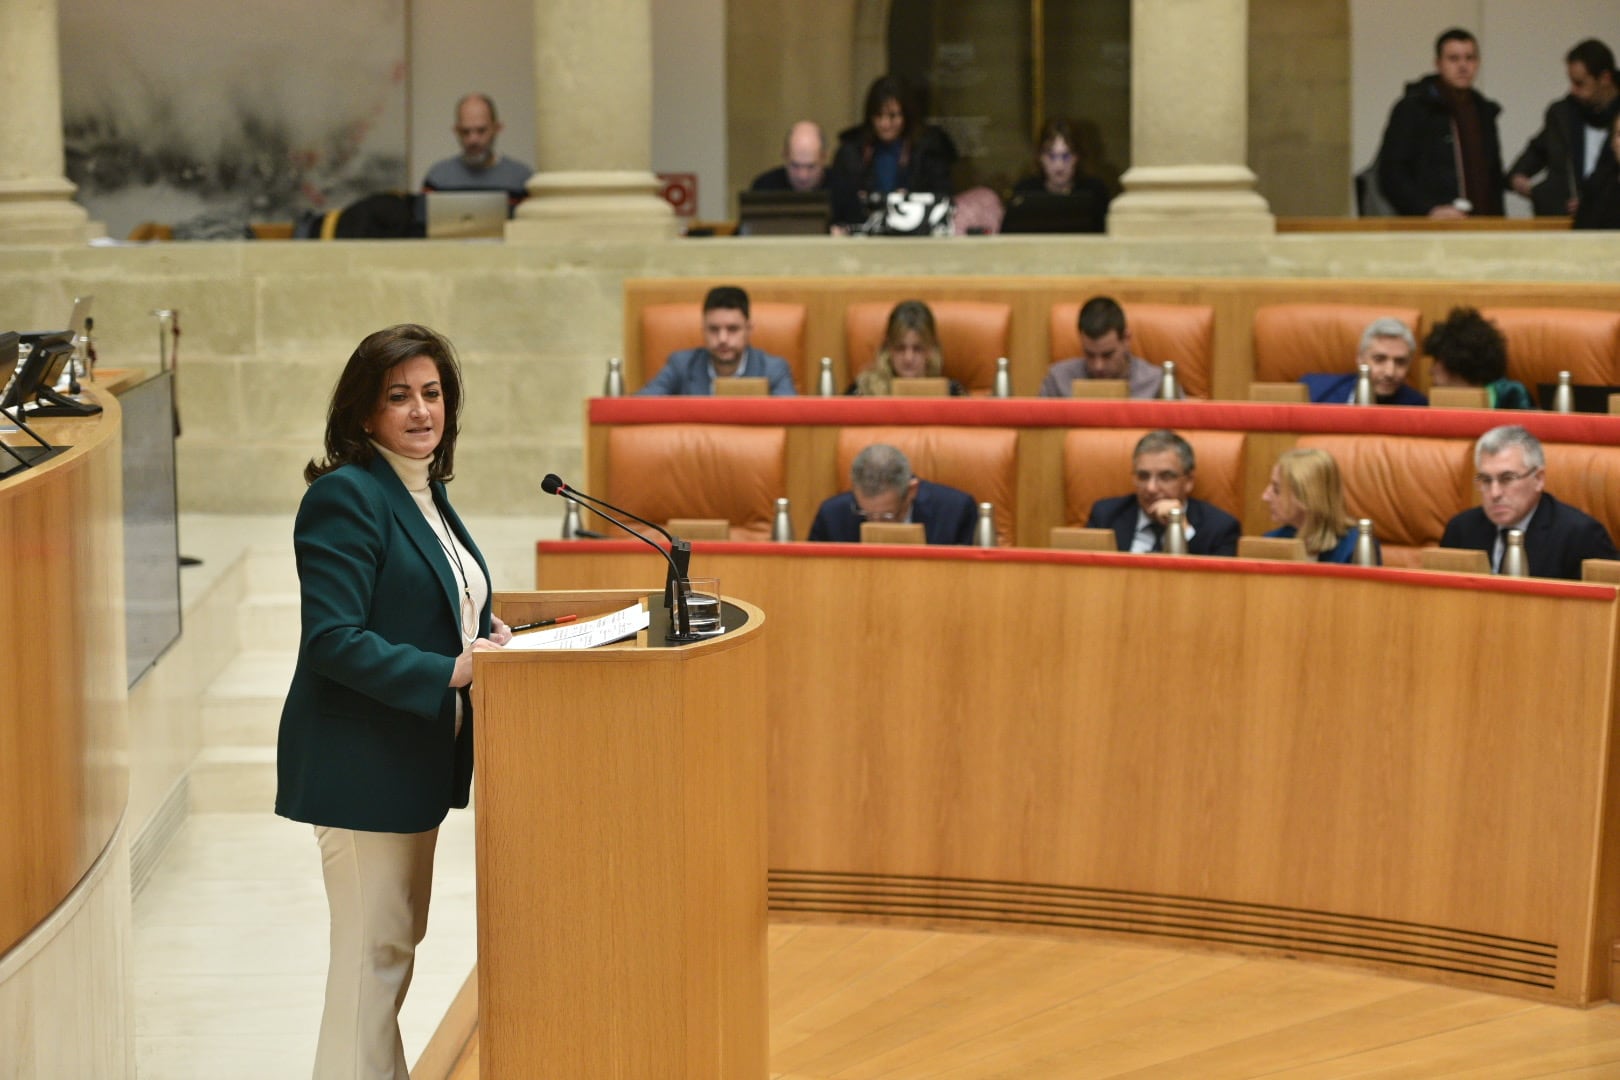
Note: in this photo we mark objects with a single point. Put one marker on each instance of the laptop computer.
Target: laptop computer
(782, 213)
(462, 215)
(1044, 212)
(1587, 399)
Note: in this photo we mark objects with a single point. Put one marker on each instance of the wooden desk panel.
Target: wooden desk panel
(63, 767)
(1388, 768)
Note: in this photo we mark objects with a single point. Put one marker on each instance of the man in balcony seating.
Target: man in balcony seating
(1510, 473)
(1387, 346)
(1441, 156)
(479, 167)
(882, 488)
(725, 352)
(804, 162)
(1573, 137)
(1105, 346)
(1163, 465)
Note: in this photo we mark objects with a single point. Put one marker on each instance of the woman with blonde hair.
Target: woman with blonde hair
(1306, 500)
(910, 350)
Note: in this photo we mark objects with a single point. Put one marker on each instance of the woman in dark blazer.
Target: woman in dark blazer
(376, 735)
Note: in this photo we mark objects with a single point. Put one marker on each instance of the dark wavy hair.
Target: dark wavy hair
(359, 391)
(1469, 346)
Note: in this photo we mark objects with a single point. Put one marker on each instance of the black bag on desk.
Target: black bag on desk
(909, 213)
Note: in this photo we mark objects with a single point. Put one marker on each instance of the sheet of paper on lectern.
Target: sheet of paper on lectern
(585, 635)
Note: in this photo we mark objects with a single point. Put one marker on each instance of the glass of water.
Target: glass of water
(703, 605)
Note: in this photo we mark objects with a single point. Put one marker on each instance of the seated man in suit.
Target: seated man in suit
(1163, 465)
(1387, 346)
(1105, 345)
(1510, 472)
(725, 352)
(883, 489)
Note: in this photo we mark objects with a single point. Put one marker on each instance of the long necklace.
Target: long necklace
(469, 617)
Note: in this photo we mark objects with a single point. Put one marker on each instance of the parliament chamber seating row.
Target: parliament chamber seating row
(1223, 335)
(1043, 464)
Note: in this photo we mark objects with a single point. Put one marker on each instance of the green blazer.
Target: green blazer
(368, 731)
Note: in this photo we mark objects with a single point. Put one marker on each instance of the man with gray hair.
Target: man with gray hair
(1162, 465)
(1510, 473)
(883, 489)
(1387, 347)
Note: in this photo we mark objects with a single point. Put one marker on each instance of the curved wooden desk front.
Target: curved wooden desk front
(63, 768)
(1406, 770)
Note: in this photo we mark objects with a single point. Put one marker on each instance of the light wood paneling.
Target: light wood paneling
(63, 760)
(1136, 746)
(860, 1003)
(621, 855)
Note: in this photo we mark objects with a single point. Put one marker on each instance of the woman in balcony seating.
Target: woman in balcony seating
(891, 150)
(1061, 167)
(1306, 500)
(910, 350)
(1468, 350)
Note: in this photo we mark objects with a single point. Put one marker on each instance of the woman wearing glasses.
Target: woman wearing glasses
(1059, 168)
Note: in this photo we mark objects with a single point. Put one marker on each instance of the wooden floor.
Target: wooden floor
(860, 1003)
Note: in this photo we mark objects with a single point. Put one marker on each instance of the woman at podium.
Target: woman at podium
(376, 742)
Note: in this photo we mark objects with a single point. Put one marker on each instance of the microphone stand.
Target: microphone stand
(676, 585)
(680, 551)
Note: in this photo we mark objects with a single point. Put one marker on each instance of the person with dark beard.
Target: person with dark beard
(1441, 156)
(1571, 143)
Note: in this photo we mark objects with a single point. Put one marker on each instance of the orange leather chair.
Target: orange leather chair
(980, 461)
(1587, 478)
(778, 329)
(972, 335)
(1544, 341)
(1409, 487)
(1291, 340)
(734, 472)
(1184, 333)
(1097, 465)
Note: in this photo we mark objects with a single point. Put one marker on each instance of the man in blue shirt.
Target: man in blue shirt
(725, 352)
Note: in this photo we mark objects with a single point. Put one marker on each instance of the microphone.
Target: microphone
(679, 555)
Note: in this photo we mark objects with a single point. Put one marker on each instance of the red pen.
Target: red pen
(558, 621)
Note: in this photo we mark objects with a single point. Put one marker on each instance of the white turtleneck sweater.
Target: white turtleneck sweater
(468, 574)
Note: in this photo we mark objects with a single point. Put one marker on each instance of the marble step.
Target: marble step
(242, 706)
(268, 621)
(234, 779)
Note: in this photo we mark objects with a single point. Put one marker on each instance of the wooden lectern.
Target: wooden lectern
(620, 807)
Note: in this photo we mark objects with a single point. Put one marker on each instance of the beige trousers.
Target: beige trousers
(377, 887)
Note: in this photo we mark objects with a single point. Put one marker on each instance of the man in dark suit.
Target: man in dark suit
(1163, 465)
(882, 488)
(1387, 348)
(1510, 472)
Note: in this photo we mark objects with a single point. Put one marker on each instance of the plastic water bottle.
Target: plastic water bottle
(1003, 384)
(1513, 564)
(614, 386)
(1169, 388)
(1175, 533)
(824, 381)
(984, 530)
(1364, 393)
(782, 523)
(571, 523)
(1366, 554)
(1564, 395)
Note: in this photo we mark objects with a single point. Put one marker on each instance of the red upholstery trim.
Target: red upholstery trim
(1589, 428)
(1567, 590)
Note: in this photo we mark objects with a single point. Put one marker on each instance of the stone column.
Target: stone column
(593, 116)
(36, 200)
(1189, 124)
